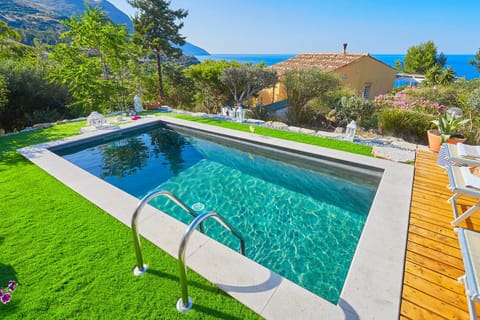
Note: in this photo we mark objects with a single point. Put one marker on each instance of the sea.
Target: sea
(458, 62)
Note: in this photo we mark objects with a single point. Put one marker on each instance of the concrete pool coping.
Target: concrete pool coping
(373, 286)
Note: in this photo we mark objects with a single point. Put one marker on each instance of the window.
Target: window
(366, 91)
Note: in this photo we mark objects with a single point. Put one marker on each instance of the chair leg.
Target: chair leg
(471, 308)
(459, 218)
(471, 303)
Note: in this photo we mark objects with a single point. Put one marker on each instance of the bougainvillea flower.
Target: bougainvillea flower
(11, 285)
(6, 297)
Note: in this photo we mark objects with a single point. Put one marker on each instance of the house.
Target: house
(366, 75)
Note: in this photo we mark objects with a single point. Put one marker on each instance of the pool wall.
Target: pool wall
(373, 285)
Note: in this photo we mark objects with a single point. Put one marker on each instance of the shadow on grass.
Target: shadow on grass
(192, 283)
(213, 312)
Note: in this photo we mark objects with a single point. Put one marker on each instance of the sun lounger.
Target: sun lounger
(470, 246)
(463, 182)
(462, 154)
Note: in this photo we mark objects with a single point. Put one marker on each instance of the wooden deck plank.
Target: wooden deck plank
(433, 259)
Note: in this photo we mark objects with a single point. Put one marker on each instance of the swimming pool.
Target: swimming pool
(300, 217)
(372, 288)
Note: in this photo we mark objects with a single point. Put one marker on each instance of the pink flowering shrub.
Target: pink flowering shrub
(409, 99)
(6, 294)
(407, 114)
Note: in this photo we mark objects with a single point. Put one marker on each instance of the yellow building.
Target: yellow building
(367, 76)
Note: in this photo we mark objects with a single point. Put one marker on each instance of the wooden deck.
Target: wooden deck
(433, 259)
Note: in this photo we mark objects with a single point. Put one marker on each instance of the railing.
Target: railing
(185, 302)
(141, 268)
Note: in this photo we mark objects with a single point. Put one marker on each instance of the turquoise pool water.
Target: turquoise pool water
(300, 217)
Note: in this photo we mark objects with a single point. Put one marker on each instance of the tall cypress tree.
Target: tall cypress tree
(157, 30)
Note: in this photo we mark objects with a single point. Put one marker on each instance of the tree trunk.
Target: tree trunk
(161, 93)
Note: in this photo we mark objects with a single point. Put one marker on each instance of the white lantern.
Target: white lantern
(351, 130)
(96, 119)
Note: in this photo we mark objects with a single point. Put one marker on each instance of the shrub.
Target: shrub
(442, 95)
(3, 92)
(259, 112)
(410, 99)
(302, 87)
(31, 98)
(409, 125)
(359, 109)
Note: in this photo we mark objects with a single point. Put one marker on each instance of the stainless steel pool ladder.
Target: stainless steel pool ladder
(141, 267)
(185, 302)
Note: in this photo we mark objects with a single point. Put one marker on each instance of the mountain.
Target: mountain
(193, 50)
(40, 19)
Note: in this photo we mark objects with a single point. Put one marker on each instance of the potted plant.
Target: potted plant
(447, 125)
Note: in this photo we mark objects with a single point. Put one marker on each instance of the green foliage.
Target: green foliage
(409, 125)
(245, 81)
(438, 76)
(434, 101)
(322, 111)
(94, 61)
(9, 43)
(7, 32)
(475, 62)
(421, 58)
(3, 93)
(474, 100)
(444, 96)
(31, 97)
(359, 109)
(157, 30)
(177, 86)
(448, 124)
(259, 112)
(302, 87)
(211, 92)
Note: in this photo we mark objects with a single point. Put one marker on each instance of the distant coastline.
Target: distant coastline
(459, 62)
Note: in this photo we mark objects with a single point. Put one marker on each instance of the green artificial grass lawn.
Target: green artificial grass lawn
(286, 135)
(74, 261)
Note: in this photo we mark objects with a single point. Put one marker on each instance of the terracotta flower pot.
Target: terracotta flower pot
(457, 138)
(434, 140)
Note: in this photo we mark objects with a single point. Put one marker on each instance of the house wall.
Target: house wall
(367, 71)
(272, 95)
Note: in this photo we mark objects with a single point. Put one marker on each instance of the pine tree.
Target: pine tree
(157, 30)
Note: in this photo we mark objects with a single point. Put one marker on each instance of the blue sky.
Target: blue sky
(373, 26)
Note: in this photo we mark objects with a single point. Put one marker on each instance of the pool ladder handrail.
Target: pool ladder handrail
(185, 302)
(141, 268)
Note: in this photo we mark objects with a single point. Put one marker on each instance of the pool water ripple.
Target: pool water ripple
(300, 223)
(278, 224)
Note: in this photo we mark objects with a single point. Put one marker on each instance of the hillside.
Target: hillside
(40, 19)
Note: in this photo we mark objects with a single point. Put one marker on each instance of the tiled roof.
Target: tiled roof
(326, 62)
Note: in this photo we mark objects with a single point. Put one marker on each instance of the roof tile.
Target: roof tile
(326, 62)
